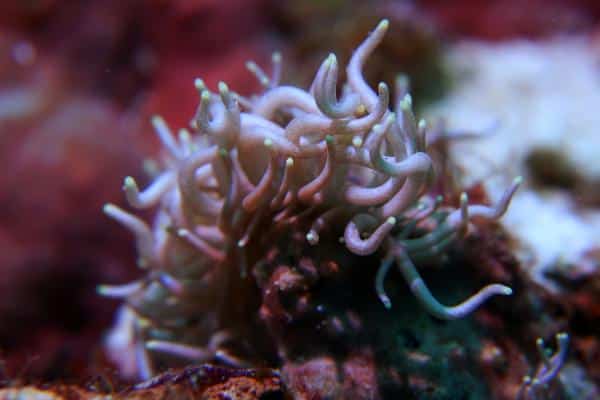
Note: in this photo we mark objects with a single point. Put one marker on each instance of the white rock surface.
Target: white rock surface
(542, 95)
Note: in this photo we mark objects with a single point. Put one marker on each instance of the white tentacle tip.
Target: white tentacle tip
(391, 221)
(312, 237)
(330, 60)
(562, 338)
(184, 135)
(383, 90)
(387, 303)
(129, 183)
(205, 96)
(383, 25)
(182, 232)
(406, 102)
(276, 57)
(157, 120)
(357, 141)
(422, 124)
(102, 290)
(518, 181)
(506, 291)
(199, 84)
(251, 66)
(289, 162)
(223, 88)
(268, 143)
(109, 209)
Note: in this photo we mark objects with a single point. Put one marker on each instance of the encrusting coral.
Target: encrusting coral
(257, 171)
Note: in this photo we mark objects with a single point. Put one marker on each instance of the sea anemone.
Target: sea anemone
(255, 173)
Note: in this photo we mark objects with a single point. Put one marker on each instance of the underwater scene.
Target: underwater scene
(300, 199)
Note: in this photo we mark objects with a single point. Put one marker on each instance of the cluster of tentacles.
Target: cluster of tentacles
(333, 167)
(536, 386)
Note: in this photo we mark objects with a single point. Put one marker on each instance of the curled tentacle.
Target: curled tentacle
(425, 209)
(416, 163)
(231, 131)
(361, 222)
(325, 92)
(376, 114)
(229, 213)
(384, 268)
(210, 116)
(434, 307)
(255, 198)
(284, 185)
(308, 191)
(491, 213)
(307, 125)
(354, 69)
(256, 130)
(282, 97)
(151, 195)
(411, 189)
(372, 196)
(413, 133)
(193, 197)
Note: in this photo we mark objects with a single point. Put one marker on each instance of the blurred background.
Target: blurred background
(79, 81)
